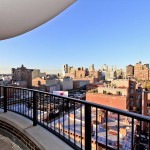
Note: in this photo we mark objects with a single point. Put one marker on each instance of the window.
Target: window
(39, 83)
(118, 93)
(138, 97)
(104, 92)
(131, 108)
(131, 103)
(148, 104)
(137, 104)
(131, 91)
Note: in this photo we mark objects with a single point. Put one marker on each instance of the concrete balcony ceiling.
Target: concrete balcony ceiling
(20, 16)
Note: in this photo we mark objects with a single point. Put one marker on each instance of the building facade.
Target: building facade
(141, 71)
(129, 71)
(121, 94)
(36, 73)
(22, 74)
(66, 83)
(82, 74)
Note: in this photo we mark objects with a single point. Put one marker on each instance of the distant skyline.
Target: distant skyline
(100, 32)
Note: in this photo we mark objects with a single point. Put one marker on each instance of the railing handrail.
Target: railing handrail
(111, 109)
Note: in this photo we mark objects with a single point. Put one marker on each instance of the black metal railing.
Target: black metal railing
(81, 124)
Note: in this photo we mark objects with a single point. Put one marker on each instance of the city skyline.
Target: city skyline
(60, 70)
(112, 33)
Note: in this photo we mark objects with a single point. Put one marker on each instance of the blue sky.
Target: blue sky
(113, 32)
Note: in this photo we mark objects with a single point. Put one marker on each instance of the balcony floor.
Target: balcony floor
(5, 146)
(40, 136)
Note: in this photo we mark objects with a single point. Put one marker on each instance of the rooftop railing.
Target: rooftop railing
(81, 124)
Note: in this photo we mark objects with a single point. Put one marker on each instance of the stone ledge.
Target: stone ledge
(40, 136)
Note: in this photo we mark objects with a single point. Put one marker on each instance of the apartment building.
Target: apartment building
(130, 71)
(141, 71)
(22, 74)
(82, 74)
(121, 94)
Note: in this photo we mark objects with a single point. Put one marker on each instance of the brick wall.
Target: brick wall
(119, 102)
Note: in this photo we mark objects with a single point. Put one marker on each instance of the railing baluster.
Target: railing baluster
(106, 129)
(28, 104)
(148, 135)
(0, 97)
(5, 99)
(132, 140)
(81, 124)
(50, 112)
(47, 98)
(34, 109)
(59, 117)
(68, 120)
(74, 124)
(23, 102)
(8, 98)
(118, 142)
(14, 98)
(88, 127)
(43, 97)
(140, 136)
(39, 106)
(96, 131)
(54, 114)
(63, 119)
(19, 101)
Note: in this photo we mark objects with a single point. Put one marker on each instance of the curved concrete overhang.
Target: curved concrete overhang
(38, 135)
(20, 16)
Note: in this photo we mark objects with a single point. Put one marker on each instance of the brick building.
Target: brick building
(36, 82)
(108, 100)
(82, 74)
(121, 94)
(22, 74)
(129, 71)
(141, 71)
(146, 104)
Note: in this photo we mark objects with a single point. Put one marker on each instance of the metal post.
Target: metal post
(34, 109)
(106, 129)
(5, 98)
(118, 138)
(88, 129)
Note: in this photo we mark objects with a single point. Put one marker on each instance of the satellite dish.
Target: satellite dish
(20, 16)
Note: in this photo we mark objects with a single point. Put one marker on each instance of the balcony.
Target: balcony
(80, 124)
